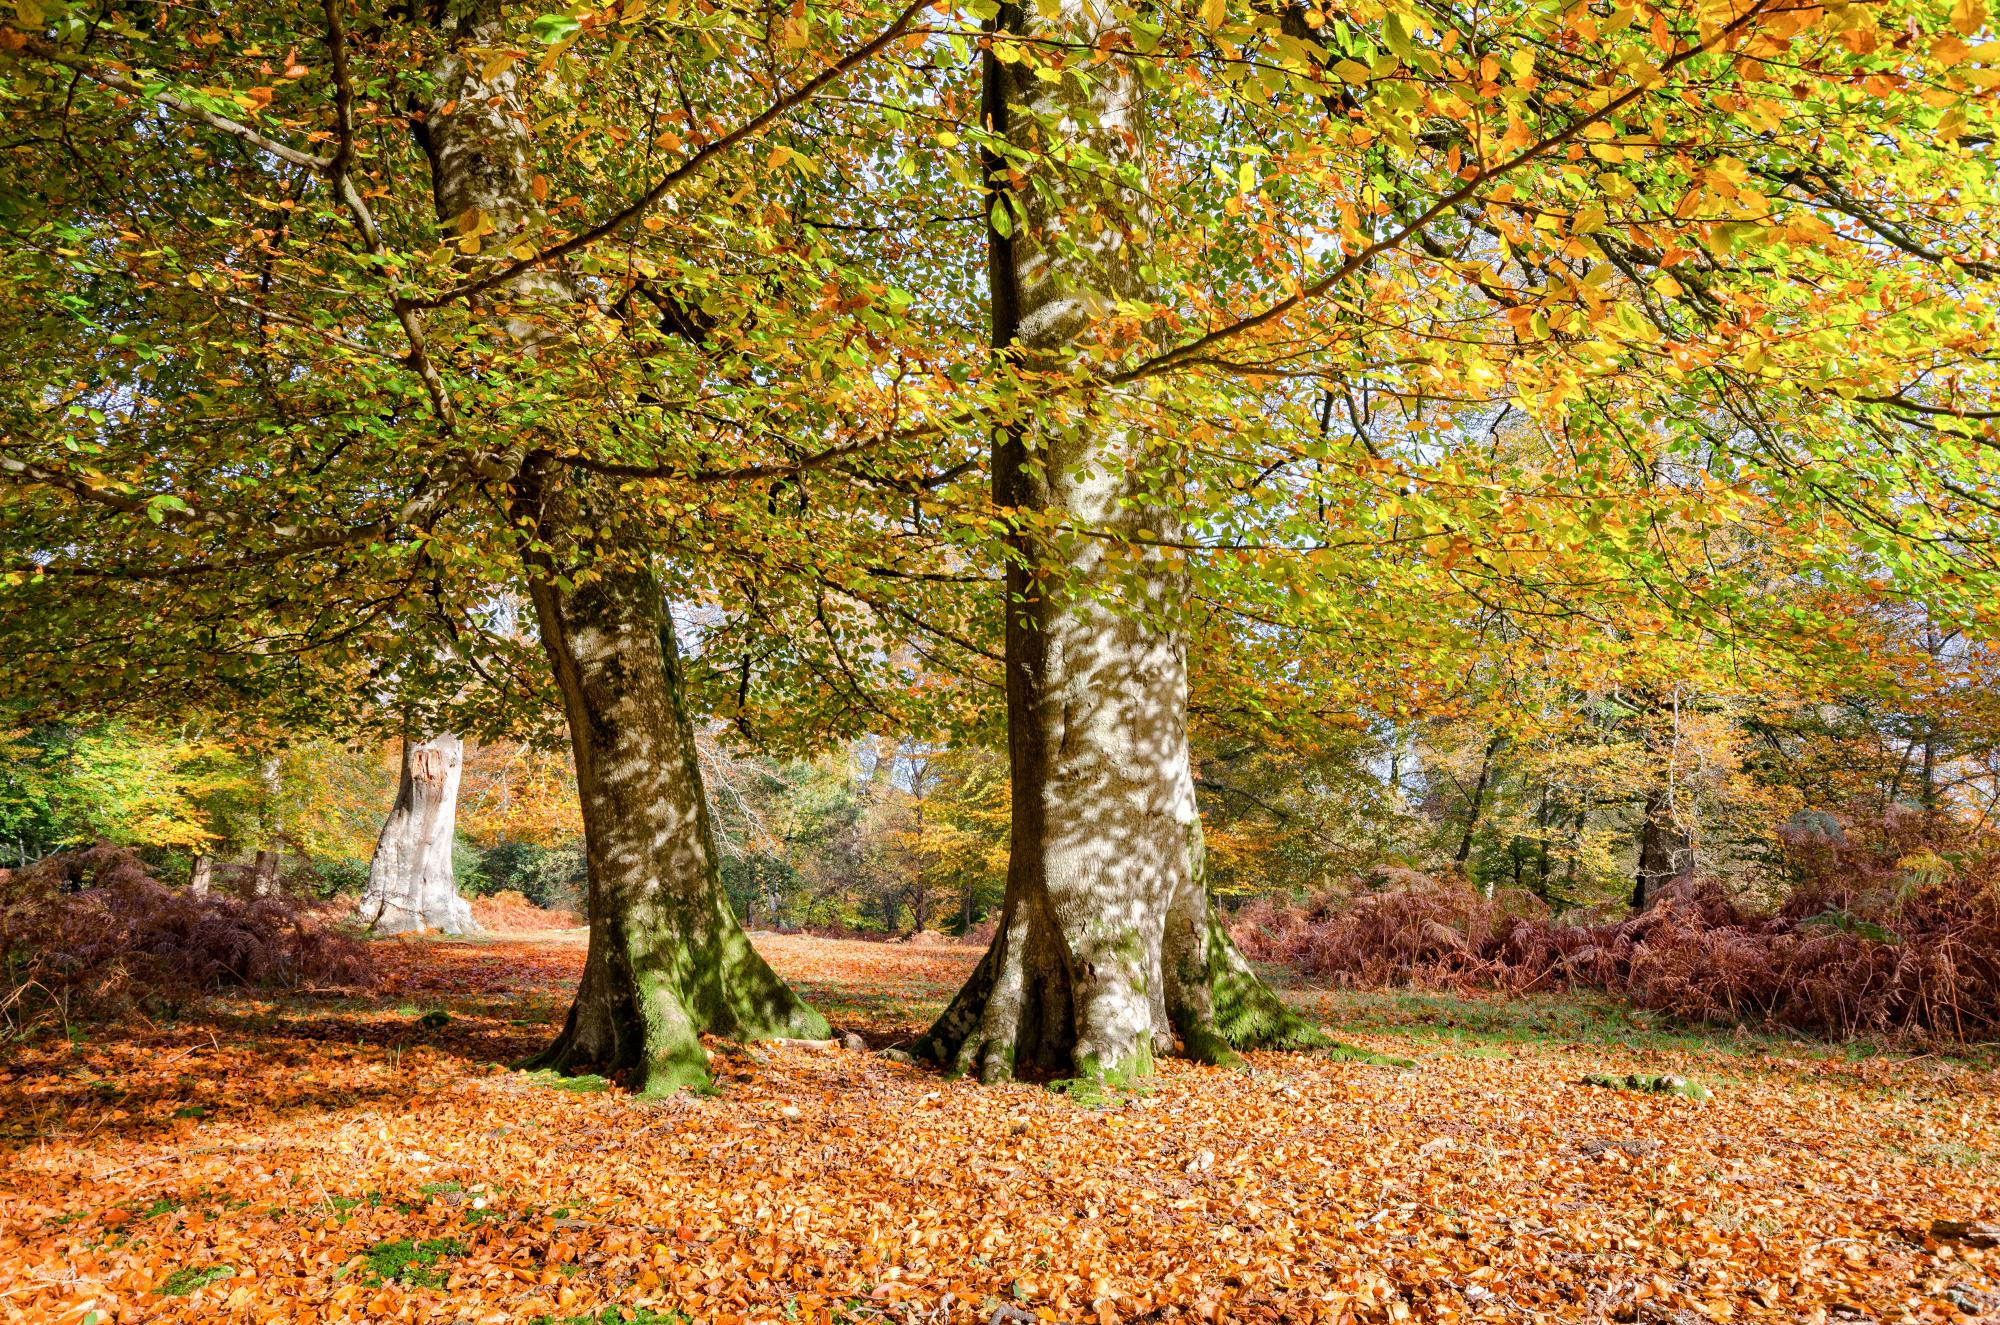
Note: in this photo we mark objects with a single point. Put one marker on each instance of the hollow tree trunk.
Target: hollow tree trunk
(411, 886)
(1107, 944)
(667, 959)
(1665, 850)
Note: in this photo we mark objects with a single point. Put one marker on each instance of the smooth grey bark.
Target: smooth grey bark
(264, 872)
(667, 959)
(411, 886)
(1107, 944)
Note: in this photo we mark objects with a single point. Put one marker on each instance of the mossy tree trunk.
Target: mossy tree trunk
(1107, 945)
(667, 959)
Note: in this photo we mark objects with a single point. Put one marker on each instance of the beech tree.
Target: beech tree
(1107, 944)
(333, 326)
(454, 334)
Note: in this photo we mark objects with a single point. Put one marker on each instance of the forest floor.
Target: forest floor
(339, 1158)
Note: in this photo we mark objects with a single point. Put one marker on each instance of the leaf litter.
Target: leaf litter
(321, 1158)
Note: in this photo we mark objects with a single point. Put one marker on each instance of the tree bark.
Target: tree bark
(264, 873)
(667, 959)
(1107, 944)
(411, 886)
(1464, 852)
(1665, 850)
(201, 874)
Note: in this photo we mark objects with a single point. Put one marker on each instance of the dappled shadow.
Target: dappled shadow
(438, 1008)
(820, 1175)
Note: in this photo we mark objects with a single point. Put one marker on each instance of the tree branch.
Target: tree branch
(1175, 357)
(236, 129)
(644, 203)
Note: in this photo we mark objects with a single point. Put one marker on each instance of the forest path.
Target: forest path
(351, 1156)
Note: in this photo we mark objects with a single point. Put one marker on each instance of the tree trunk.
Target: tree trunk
(1665, 851)
(201, 874)
(410, 883)
(264, 873)
(1464, 852)
(1107, 944)
(667, 959)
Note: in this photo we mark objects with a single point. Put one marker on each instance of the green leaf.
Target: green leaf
(1397, 34)
(553, 28)
(157, 507)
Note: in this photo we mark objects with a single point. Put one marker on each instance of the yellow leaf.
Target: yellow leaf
(1968, 16)
(1212, 12)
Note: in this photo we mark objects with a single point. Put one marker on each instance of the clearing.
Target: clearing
(322, 1158)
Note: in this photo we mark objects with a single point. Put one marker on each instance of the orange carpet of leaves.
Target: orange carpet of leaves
(283, 1140)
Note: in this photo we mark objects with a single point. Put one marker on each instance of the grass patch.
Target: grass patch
(1663, 1084)
(440, 1188)
(583, 1084)
(1084, 1092)
(618, 1316)
(409, 1262)
(1952, 1155)
(192, 1277)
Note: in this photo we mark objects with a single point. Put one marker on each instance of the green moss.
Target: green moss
(618, 1316)
(1339, 1052)
(1248, 1015)
(1663, 1084)
(408, 1262)
(190, 1278)
(671, 1074)
(583, 1083)
(1203, 1045)
(1097, 1082)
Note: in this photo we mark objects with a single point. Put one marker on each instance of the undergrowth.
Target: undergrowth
(94, 935)
(1882, 934)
